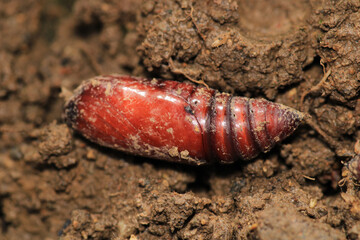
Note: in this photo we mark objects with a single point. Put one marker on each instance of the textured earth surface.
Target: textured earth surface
(55, 184)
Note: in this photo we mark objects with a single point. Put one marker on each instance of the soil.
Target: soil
(55, 184)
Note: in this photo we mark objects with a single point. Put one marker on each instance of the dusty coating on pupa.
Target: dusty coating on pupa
(95, 93)
(176, 121)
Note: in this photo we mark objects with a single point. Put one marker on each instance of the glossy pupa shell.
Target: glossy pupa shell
(176, 121)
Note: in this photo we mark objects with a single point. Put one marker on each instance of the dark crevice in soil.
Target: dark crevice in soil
(201, 183)
(84, 30)
(4, 224)
(314, 64)
(185, 223)
(66, 224)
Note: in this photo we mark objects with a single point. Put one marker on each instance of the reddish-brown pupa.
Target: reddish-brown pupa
(176, 121)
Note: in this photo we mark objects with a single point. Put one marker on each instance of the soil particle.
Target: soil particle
(206, 226)
(9, 110)
(55, 140)
(280, 222)
(52, 140)
(312, 158)
(338, 49)
(262, 168)
(19, 26)
(337, 120)
(354, 232)
(8, 83)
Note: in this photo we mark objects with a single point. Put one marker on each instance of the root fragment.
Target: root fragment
(180, 71)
